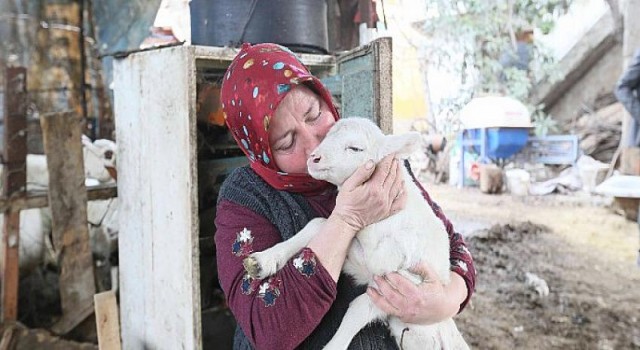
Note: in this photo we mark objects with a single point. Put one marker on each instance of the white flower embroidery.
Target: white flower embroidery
(461, 264)
(244, 235)
(298, 262)
(263, 288)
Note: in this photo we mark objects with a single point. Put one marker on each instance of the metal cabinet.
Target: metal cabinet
(159, 168)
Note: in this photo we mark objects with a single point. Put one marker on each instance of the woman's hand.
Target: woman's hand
(371, 194)
(426, 303)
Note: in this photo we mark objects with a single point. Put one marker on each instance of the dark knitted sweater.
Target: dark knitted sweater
(300, 306)
(289, 213)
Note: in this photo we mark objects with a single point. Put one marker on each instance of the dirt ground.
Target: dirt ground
(585, 252)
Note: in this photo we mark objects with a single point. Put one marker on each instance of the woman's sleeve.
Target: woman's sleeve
(280, 311)
(460, 257)
(627, 87)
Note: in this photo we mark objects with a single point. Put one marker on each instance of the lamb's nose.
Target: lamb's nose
(316, 159)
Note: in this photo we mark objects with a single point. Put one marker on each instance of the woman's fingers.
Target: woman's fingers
(381, 302)
(401, 283)
(425, 270)
(391, 293)
(372, 193)
(384, 174)
(398, 295)
(399, 203)
(360, 176)
(398, 191)
(397, 188)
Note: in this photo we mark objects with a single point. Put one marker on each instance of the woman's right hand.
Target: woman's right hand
(371, 194)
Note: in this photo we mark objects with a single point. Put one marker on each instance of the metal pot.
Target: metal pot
(300, 25)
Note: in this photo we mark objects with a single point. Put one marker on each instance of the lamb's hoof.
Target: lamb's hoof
(252, 266)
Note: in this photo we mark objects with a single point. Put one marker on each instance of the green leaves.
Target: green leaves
(474, 40)
(543, 123)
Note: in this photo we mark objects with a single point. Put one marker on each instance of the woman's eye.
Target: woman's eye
(287, 146)
(354, 149)
(312, 120)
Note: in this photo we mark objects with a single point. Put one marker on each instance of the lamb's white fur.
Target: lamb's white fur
(394, 244)
(35, 224)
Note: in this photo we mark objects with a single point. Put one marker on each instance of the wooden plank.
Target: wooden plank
(14, 180)
(40, 199)
(630, 161)
(220, 57)
(6, 342)
(23, 338)
(107, 320)
(68, 202)
(157, 188)
(383, 78)
(10, 266)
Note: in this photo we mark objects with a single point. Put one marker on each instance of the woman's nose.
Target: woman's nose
(310, 142)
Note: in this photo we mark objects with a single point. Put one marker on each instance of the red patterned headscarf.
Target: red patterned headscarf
(257, 79)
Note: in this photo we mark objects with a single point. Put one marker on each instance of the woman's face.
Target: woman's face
(299, 124)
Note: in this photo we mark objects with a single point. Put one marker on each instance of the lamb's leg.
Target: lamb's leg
(361, 312)
(263, 264)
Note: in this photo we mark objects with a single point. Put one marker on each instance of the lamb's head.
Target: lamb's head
(100, 159)
(350, 143)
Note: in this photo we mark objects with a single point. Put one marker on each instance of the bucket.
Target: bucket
(518, 181)
(300, 25)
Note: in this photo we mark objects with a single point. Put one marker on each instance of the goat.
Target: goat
(35, 224)
(394, 244)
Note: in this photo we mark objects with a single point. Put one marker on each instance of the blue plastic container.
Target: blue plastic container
(501, 142)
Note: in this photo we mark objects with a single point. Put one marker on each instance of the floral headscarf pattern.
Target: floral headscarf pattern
(255, 83)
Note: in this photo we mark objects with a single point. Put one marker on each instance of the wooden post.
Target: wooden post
(61, 133)
(157, 187)
(107, 321)
(6, 342)
(14, 178)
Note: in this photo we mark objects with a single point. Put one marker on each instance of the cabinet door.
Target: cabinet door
(157, 189)
(362, 85)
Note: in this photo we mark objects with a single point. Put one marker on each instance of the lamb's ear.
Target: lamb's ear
(86, 140)
(402, 145)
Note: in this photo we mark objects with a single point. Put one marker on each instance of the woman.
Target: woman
(278, 113)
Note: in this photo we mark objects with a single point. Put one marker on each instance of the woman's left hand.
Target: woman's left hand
(426, 303)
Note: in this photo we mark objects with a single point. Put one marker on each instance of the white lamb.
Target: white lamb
(99, 159)
(395, 244)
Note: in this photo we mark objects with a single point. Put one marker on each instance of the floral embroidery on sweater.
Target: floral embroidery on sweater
(249, 284)
(461, 264)
(306, 262)
(270, 291)
(463, 250)
(243, 245)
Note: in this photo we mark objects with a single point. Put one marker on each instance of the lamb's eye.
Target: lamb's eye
(354, 149)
